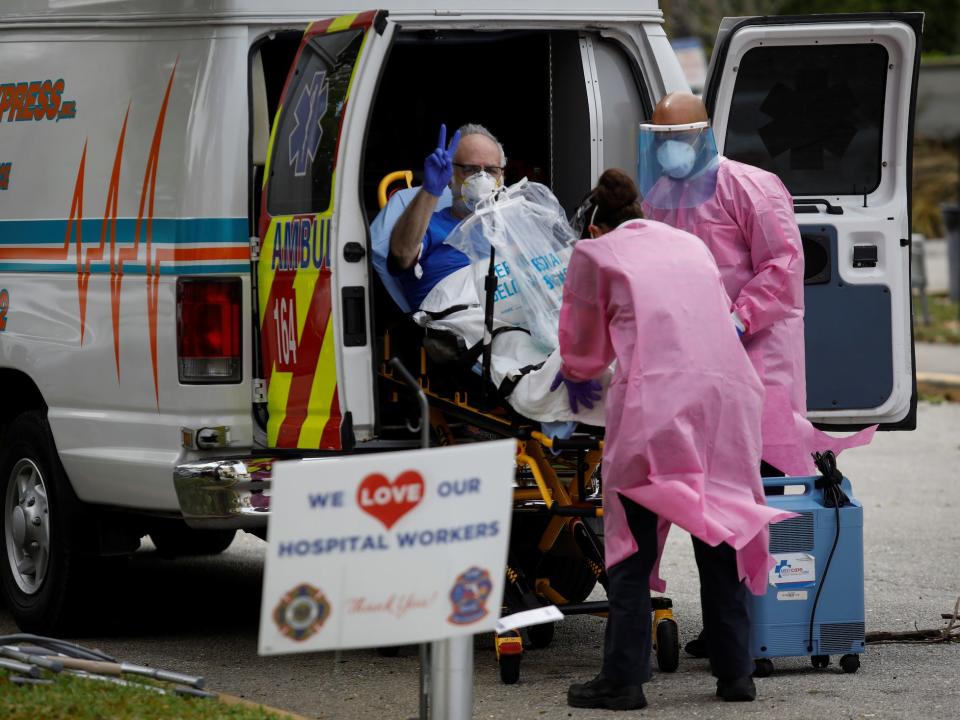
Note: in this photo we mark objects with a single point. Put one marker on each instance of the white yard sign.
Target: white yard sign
(386, 548)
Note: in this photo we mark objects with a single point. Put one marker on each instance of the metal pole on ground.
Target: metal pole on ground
(423, 649)
(451, 679)
(448, 694)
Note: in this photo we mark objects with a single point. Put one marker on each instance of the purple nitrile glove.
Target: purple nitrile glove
(438, 166)
(583, 393)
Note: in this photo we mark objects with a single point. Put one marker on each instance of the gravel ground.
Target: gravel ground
(200, 616)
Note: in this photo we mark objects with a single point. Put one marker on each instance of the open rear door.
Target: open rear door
(827, 102)
(312, 276)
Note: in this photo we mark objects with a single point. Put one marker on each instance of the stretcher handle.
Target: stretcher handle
(388, 180)
(398, 367)
(490, 287)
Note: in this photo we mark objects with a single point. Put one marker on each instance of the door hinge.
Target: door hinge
(254, 248)
(259, 390)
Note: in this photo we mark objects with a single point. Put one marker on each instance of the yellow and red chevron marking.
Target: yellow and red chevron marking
(297, 334)
(295, 298)
(353, 21)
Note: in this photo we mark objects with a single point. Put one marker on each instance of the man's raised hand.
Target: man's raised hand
(438, 166)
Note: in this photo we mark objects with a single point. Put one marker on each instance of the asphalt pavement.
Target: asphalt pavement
(200, 616)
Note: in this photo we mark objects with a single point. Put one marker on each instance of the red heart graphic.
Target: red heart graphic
(389, 501)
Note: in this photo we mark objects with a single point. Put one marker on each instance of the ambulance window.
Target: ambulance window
(811, 114)
(305, 145)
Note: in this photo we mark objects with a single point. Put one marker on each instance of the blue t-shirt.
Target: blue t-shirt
(437, 260)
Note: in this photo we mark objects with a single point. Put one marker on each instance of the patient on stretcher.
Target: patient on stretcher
(527, 230)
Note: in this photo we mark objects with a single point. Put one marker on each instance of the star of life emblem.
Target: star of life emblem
(304, 140)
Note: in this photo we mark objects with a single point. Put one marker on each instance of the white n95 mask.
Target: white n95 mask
(676, 158)
(477, 187)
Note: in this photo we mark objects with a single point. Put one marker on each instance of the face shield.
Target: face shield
(677, 165)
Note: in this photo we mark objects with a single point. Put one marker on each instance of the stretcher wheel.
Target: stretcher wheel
(668, 646)
(820, 661)
(510, 668)
(572, 577)
(850, 663)
(541, 635)
(763, 668)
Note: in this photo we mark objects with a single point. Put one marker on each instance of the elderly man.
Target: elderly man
(745, 217)
(472, 166)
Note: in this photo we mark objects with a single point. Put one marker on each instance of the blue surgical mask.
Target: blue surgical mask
(676, 158)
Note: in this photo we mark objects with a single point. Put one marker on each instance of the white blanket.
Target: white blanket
(510, 352)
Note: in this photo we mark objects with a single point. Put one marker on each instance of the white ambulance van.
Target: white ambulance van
(186, 187)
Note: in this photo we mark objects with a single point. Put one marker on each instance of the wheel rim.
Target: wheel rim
(27, 526)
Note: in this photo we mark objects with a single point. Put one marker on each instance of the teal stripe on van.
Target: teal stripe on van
(166, 231)
(128, 268)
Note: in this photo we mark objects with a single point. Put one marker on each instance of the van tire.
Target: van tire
(174, 538)
(38, 508)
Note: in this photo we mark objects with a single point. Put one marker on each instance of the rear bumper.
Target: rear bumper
(224, 493)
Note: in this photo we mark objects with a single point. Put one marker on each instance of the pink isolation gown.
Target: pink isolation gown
(684, 406)
(749, 227)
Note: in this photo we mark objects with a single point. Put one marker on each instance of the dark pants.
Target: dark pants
(626, 645)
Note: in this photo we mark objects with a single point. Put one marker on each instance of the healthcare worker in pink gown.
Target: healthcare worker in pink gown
(745, 217)
(682, 435)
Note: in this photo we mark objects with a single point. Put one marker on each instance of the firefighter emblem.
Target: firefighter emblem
(301, 612)
(469, 596)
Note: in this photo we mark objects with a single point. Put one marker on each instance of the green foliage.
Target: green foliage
(941, 22)
(701, 18)
(73, 698)
(944, 324)
(935, 181)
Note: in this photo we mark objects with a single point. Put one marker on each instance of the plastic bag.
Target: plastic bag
(527, 227)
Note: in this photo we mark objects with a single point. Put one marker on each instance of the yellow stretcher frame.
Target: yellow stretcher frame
(563, 502)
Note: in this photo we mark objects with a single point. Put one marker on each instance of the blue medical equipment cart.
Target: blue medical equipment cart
(811, 608)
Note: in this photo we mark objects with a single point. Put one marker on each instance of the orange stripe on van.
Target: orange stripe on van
(150, 178)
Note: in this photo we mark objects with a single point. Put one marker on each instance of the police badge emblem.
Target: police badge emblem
(469, 596)
(301, 612)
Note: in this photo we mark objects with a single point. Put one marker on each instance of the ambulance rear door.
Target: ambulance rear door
(312, 271)
(827, 103)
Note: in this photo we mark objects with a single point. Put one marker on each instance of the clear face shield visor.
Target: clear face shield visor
(677, 165)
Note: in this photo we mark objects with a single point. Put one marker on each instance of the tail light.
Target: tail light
(209, 339)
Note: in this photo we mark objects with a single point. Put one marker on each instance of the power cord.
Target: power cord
(830, 481)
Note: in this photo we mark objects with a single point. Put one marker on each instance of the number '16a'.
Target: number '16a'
(285, 325)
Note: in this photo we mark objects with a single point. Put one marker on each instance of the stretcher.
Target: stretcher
(556, 549)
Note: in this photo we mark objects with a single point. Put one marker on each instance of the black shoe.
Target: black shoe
(601, 693)
(737, 690)
(697, 647)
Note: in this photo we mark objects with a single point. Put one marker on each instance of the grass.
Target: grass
(74, 698)
(944, 324)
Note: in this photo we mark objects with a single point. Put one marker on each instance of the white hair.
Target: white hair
(477, 129)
